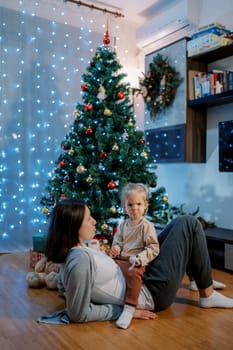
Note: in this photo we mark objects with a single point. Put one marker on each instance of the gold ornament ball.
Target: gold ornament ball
(104, 227)
(130, 123)
(80, 168)
(45, 210)
(113, 210)
(165, 199)
(107, 112)
(144, 154)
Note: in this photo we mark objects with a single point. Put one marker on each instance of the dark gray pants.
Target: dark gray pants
(183, 247)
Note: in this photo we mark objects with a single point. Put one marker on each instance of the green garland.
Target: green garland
(158, 87)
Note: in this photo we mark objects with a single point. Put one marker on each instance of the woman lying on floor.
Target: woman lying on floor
(94, 284)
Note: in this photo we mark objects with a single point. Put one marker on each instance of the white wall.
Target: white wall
(202, 185)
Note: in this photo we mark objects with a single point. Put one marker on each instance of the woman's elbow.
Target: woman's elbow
(76, 317)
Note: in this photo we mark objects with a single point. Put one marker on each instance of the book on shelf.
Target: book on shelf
(199, 84)
(203, 84)
(229, 80)
(191, 75)
(219, 81)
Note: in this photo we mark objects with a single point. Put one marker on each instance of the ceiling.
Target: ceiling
(138, 11)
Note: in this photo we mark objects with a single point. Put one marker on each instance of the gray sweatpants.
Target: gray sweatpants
(182, 246)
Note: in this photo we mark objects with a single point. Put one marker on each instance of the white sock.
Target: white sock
(216, 285)
(126, 317)
(192, 285)
(216, 300)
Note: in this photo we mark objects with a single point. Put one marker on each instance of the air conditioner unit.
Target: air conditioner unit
(175, 23)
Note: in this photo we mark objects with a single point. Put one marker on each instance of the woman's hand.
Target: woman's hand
(144, 314)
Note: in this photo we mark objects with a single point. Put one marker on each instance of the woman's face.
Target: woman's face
(87, 229)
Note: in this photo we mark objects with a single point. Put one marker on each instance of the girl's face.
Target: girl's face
(87, 229)
(135, 206)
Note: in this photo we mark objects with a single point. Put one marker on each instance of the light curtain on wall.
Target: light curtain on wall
(41, 67)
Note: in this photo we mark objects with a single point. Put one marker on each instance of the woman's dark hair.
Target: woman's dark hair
(63, 233)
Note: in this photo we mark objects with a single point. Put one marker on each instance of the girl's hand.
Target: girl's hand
(114, 251)
(144, 314)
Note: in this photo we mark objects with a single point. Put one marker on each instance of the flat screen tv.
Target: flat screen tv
(226, 146)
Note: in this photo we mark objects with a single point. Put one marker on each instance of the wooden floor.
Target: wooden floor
(183, 326)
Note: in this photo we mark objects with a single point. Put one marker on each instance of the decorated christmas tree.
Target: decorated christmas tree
(104, 149)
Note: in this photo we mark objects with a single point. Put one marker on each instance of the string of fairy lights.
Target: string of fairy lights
(42, 63)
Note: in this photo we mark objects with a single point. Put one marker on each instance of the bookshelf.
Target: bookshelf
(197, 108)
(189, 133)
(212, 100)
(214, 55)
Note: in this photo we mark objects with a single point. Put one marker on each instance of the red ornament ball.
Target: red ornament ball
(120, 95)
(153, 185)
(103, 155)
(84, 87)
(142, 141)
(89, 131)
(111, 185)
(88, 107)
(61, 164)
(106, 40)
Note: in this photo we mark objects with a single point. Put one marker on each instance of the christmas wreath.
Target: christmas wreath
(158, 86)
